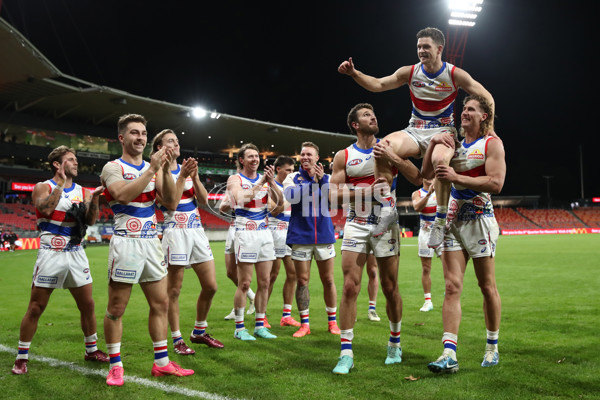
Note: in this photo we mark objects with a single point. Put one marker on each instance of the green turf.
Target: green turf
(548, 336)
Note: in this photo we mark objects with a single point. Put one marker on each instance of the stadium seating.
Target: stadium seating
(589, 215)
(510, 219)
(552, 218)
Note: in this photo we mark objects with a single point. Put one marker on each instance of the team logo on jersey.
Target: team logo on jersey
(475, 155)
(58, 242)
(133, 225)
(418, 84)
(354, 162)
(251, 226)
(478, 201)
(128, 176)
(443, 87)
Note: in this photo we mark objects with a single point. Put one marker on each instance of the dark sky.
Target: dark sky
(277, 61)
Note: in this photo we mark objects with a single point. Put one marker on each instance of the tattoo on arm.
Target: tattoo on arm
(302, 297)
(48, 205)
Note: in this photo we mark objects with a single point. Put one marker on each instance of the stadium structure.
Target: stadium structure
(42, 108)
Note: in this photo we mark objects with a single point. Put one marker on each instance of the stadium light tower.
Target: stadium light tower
(463, 14)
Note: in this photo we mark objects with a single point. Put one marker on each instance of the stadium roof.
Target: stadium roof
(31, 84)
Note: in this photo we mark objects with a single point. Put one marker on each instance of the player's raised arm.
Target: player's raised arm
(371, 83)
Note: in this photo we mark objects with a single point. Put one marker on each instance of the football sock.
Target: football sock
(161, 355)
(395, 328)
(492, 340)
(176, 336)
(90, 343)
(304, 317)
(346, 337)
(450, 341)
(331, 314)
(239, 319)
(23, 352)
(114, 352)
(259, 321)
(287, 311)
(199, 328)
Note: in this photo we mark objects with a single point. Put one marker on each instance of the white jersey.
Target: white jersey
(252, 215)
(360, 170)
(56, 228)
(136, 219)
(186, 215)
(467, 204)
(281, 221)
(432, 96)
(427, 214)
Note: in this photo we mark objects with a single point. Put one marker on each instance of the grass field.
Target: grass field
(549, 341)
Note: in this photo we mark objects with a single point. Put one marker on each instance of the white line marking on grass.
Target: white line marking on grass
(128, 378)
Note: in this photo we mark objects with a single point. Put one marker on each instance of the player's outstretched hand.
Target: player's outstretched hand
(347, 68)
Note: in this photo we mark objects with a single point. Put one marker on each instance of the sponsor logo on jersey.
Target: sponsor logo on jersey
(76, 200)
(482, 241)
(443, 87)
(86, 270)
(356, 161)
(475, 155)
(349, 243)
(128, 176)
(178, 257)
(392, 241)
(418, 84)
(125, 273)
(248, 255)
(296, 253)
(49, 280)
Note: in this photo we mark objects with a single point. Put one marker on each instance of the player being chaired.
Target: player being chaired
(433, 86)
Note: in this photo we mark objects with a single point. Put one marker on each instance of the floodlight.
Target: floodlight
(464, 12)
(198, 112)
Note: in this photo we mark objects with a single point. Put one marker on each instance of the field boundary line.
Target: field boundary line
(128, 378)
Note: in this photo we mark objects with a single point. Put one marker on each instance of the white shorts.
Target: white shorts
(254, 246)
(305, 252)
(134, 260)
(422, 137)
(61, 269)
(279, 239)
(186, 246)
(478, 237)
(358, 239)
(230, 241)
(424, 250)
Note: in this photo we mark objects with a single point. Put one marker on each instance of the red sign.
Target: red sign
(568, 231)
(23, 187)
(595, 199)
(216, 196)
(28, 187)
